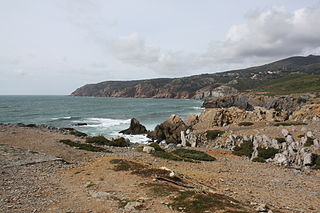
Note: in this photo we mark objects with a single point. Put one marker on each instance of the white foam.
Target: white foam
(141, 139)
(61, 118)
(104, 122)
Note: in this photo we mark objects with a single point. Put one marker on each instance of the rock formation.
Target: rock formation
(170, 130)
(135, 128)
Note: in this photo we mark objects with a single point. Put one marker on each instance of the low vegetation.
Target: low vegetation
(193, 154)
(126, 165)
(197, 202)
(213, 134)
(281, 140)
(169, 156)
(101, 140)
(244, 149)
(87, 147)
(316, 162)
(76, 132)
(156, 147)
(266, 153)
(259, 159)
(289, 124)
(309, 142)
(245, 124)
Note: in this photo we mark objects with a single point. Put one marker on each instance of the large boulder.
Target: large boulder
(170, 130)
(135, 128)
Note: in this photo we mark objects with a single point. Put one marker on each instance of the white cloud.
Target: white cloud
(271, 34)
(267, 35)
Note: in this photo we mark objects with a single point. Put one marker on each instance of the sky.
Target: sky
(52, 47)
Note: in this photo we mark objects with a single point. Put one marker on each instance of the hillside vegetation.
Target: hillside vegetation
(291, 75)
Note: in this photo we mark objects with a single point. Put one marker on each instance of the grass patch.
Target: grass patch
(259, 159)
(193, 154)
(168, 156)
(213, 134)
(267, 153)
(245, 124)
(77, 133)
(160, 190)
(156, 147)
(193, 202)
(309, 142)
(125, 165)
(101, 140)
(139, 149)
(245, 149)
(289, 124)
(87, 147)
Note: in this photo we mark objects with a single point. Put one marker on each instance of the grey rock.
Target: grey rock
(148, 149)
(285, 132)
(310, 134)
(132, 205)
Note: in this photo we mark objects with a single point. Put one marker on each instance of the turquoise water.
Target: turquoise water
(105, 116)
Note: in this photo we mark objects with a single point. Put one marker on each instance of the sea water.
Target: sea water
(104, 116)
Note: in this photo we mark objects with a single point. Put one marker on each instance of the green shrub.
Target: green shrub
(245, 149)
(213, 134)
(316, 162)
(156, 147)
(309, 142)
(259, 159)
(168, 156)
(281, 140)
(119, 142)
(267, 153)
(193, 154)
(245, 124)
(99, 140)
(77, 133)
(87, 147)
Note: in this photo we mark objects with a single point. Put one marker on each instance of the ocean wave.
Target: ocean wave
(103, 122)
(62, 118)
(141, 139)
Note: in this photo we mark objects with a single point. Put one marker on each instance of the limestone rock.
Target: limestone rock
(148, 149)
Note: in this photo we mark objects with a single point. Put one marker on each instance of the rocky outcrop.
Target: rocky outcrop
(286, 151)
(219, 117)
(289, 103)
(135, 128)
(218, 92)
(307, 113)
(240, 101)
(170, 130)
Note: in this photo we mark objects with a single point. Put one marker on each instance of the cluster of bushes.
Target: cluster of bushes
(245, 124)
(101, 140)
(181, 154)
(87, 147)
(244, 149)
(213, 134)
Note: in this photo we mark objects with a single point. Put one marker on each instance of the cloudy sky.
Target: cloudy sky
(56, 46)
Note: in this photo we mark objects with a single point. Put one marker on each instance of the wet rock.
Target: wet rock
(135, 128)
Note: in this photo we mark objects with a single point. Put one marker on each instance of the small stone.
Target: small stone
(132, 206)
(148, 149)
(310, 134)
(285, 132)
(262, 208)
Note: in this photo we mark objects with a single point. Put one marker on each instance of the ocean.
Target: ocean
(104, 116)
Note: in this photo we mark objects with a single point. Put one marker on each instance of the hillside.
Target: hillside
(290, 75)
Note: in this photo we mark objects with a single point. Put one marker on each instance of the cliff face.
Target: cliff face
(292, 75)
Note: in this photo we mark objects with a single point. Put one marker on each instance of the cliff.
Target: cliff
(291, 75)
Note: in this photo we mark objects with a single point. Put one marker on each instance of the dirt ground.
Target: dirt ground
(39, 174)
